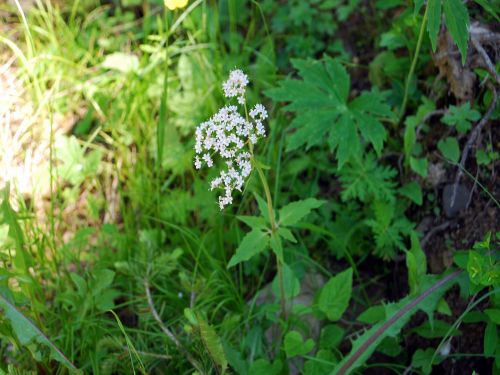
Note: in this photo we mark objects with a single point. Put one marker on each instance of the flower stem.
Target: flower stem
(413, 64)
(274, 228)
(272, 221)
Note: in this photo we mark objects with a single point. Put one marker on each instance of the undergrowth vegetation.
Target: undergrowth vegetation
(156, 219)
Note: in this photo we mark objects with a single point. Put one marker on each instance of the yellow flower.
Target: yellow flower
(175, 4)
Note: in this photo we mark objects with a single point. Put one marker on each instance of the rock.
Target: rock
(461, 199)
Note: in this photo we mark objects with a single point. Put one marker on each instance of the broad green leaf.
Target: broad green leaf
(449, 148)
(293, 212)
(102, 279)
(419, 166)
(335, 295)
(212, 342)
(276, 246)
(434, 22)
(252, 244)
(457, 22)
(27, 332)
(294, 344)
(412, 191)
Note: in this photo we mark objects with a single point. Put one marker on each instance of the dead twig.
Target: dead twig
(490, 67)
(167, 331)
(470, 143)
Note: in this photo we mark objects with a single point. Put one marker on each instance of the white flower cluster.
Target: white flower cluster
(235, 85)
(228, 135)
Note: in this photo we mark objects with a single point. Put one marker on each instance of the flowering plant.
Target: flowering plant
(231, 137)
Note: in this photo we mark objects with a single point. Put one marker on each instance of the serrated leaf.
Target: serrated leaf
(412, 191)
(335, 295)
(434, 22)
(252, 244)
(212, 342)
(294, 344)
(293, 212)
(367, 180)
(254, 222)
(286, 234)
(449, 148)
(457, 22)
(322, 112)
(461, 117)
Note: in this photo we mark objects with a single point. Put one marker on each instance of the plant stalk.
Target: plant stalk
(413, 63)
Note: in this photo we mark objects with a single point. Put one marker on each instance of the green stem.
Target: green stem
(413, 64)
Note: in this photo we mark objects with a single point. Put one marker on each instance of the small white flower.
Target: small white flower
(226, 134)
(235, 85)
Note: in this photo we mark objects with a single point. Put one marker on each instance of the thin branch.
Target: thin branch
(490, 67)
(168, 332)
(470, 143)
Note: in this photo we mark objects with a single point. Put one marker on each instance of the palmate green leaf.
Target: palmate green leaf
(457, 22)
(252, 244)
(335, 295)
(27, 332)
(293, 212)
(322, 111)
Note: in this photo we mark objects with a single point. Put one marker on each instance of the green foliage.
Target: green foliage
(334, 297)
(456, 18)
(388, 228)
(327, 114)
(367, 181)
(461, 117)
(295, 346)
(27, 332)
(449, 148)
